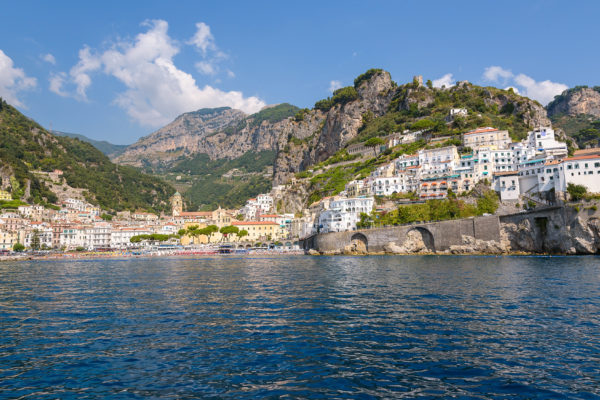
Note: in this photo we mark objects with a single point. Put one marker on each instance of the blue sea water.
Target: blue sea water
(301, 327)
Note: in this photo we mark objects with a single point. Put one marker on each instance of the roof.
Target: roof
(254, 223)
(481, 130)
(553, 162)
(196, 214)
(587, 157)
(586, 152)
(506, 173)
(269, 216)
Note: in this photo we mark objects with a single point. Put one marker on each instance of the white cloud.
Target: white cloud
(524, 85)
(446, 80)
(203, 39)
(156, 90)
(334, 85)
(57, 82)
(206, 68)
(543, 91)
(496, 73)
(49, 58)
(13, 80)
(230, 73)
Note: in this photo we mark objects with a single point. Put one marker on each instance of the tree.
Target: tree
(18, 247)
(181, 232)
(210, 229)
(227, 230)
(577, 192)
(35, 240)
(106, 217)
(374, 142)
(242, 233)
(429, 84)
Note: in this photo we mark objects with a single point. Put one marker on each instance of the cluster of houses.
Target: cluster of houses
(78, 225)
(538, 164)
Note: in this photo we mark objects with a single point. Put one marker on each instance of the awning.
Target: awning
(443, 182)
(434, 184)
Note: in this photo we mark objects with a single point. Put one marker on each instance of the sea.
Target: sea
(301, 327)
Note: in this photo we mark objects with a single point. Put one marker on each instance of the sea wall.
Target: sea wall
(557, 230)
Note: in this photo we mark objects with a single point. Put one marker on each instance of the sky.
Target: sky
(119, 70)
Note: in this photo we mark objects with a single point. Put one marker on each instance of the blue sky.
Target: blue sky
(118, 70)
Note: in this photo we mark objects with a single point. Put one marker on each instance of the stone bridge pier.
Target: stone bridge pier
(436, 236)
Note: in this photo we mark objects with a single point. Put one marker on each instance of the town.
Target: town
(537, 167)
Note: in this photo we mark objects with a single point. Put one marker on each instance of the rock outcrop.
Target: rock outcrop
(576, 101)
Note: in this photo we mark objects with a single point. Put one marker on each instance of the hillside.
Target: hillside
(577, 112)
(374, 106)
(109, 149)
(26, 147)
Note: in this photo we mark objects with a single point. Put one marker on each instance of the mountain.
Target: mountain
(577, 112)
(27, 151)
(374, 106)
(109, 149)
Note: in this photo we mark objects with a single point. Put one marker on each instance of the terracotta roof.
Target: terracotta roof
(269, 216)
(553, 162)
(481, 130)
(588, 157)
(503, 173)
(196, 214)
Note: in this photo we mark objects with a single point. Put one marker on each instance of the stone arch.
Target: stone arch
(419, 239)
(359, 240)
(248, 246)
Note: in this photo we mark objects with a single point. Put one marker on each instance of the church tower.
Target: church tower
(177, 204)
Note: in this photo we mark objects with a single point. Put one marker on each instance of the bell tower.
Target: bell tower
(177, 204)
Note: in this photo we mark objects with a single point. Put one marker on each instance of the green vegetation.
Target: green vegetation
(300, 114)
(18, 247)
(584, 129)
(340, 96)
(432, 210)
(274, 114)
(229, 230)
(577, 192)
(13, 204)
(210, 189)
(201, 164)
(25, 146)
(153, 237)
(106, 217)
(344, 95)
(208, 192)
(366, 76)
(374, 142)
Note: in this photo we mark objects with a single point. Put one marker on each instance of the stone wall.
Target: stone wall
(558, 230)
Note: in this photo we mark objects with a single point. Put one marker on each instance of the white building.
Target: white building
(343, 214)
(543, 140)
(120, 238)
(438, 161)
(506, 184)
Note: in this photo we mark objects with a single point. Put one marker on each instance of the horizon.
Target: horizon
(128, 71)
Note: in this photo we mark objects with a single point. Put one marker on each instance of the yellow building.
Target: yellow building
(5, 196)
(259, 230)
(8, 239)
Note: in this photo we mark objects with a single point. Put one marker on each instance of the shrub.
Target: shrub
(324, 105)
(344, 95)
(18, 247)
(577, 192)
(366, 76)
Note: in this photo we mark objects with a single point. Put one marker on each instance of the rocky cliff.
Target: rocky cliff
(374, 106)
(580, 100)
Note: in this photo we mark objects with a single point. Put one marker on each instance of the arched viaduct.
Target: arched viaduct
(438, 236)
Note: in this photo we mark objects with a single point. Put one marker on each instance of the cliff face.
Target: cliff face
(314, 135)
(576, 101)
(184, 136)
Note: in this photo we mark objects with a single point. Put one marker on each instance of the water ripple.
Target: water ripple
(302, 327)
